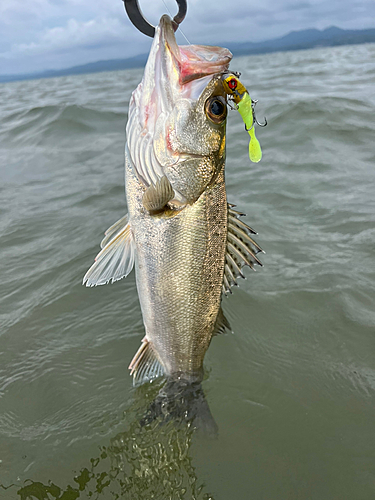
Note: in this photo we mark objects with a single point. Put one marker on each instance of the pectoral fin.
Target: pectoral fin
(116, 259)
(157, 196)
(241, 249)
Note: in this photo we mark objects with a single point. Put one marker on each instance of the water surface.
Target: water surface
(292, 390)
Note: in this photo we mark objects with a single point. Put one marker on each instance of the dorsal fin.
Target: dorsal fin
(116, 259)
(241, 249)
(145, 366)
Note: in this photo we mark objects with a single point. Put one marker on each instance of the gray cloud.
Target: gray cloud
(44, 34)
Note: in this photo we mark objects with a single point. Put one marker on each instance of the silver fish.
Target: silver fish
(188, 245)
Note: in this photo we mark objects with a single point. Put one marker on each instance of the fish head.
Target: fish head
(177, 115)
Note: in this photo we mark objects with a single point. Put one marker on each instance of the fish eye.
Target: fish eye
(216, 109)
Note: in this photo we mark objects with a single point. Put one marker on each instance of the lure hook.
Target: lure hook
(136, 17)
(253, 102)
(260, 124)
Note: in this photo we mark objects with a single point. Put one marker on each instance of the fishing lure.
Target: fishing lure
(246, 107)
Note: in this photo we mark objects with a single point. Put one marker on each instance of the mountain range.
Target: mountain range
(295, 40)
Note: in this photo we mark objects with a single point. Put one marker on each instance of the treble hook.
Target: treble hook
(136, 17)
(253, 103)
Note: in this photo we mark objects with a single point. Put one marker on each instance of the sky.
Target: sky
(37, 35)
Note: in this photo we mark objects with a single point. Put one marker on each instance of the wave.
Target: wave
(33, 125)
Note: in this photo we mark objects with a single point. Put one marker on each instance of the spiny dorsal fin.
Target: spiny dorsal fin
(222, 324)
(241, 249)
(115, 260)
(157, 196)
(145, 366)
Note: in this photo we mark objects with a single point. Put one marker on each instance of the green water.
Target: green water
(292, 391)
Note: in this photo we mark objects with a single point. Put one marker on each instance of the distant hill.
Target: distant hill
(295, 40)
(95, 67)
(306, 39)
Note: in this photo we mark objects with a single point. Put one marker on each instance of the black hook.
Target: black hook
(136, 17)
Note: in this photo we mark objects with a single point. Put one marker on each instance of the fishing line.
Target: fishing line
(179, 29)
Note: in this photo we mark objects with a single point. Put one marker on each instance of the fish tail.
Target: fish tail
(182, 401)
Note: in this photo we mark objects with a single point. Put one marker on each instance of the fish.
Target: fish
(187, 243)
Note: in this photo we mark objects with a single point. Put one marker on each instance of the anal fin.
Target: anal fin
(145, 366)
(157, 196)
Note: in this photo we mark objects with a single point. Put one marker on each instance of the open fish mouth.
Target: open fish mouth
(193, 61)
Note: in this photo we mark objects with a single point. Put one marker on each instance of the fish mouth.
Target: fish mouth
(192, 62)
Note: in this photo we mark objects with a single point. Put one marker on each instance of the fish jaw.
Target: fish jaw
(170, 68)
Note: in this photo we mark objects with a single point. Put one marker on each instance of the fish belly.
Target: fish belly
(180, 259)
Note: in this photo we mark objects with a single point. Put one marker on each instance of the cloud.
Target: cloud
(52, 34)
(86, 34)
(62, 33)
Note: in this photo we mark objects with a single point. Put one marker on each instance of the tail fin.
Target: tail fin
(183, 402)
